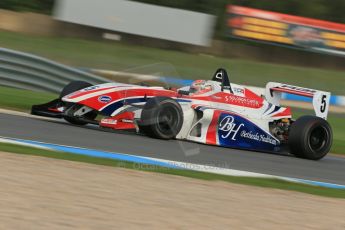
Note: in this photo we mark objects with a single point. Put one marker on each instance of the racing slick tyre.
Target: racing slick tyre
(310, 137)
(162, 118)
(73, 86)
(70, 88)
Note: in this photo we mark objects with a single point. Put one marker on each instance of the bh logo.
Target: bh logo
(230, 128)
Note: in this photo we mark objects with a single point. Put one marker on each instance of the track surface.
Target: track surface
(330, 169)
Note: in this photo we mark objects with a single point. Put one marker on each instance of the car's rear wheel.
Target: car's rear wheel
(310, 137)
(162, 118)
(68, 89)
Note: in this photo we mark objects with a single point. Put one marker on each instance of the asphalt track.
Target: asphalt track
(330, 169)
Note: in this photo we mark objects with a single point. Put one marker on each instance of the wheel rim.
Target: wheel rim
(318, 138)
(167, 120)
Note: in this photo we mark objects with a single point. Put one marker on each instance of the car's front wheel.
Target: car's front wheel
(70, 107)
(162, 118)
(310, 137)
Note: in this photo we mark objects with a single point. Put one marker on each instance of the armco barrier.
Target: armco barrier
(27, 71)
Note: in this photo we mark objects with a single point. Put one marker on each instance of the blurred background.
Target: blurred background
(296, 42)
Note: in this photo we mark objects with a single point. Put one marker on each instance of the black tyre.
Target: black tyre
(70, 88)
(162, 118)
(310, 137)
(74, 86)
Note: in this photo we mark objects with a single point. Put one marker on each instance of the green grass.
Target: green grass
(22, 100)
(268, 183)
(118, 56)
(338, 126)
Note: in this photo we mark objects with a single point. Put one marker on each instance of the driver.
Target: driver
(200, 87)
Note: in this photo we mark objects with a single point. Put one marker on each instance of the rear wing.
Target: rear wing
(320, 99)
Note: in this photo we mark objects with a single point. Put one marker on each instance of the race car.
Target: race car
(213, 112)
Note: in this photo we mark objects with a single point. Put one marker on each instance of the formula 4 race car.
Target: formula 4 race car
(214, 112)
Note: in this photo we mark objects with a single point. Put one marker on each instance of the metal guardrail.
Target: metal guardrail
(27, 71)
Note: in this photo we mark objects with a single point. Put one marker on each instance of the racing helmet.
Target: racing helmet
(200, 86)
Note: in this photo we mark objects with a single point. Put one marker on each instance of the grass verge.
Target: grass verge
(120, 56)
(22, 100)
(268, 183)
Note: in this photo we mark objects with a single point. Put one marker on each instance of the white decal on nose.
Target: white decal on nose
(228, 125)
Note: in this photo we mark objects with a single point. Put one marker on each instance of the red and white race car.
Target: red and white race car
(214, 112)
